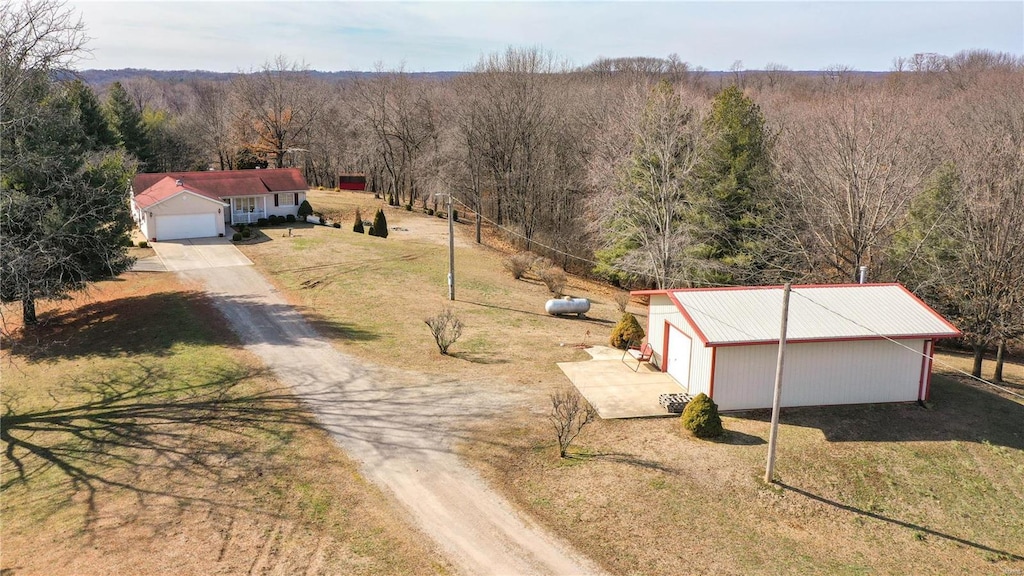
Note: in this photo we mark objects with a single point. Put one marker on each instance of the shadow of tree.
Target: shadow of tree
(143, 417)
(958, 411)
(904, 524)
(478, 358)
(153, 324)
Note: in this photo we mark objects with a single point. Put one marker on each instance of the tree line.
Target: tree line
(652, 171)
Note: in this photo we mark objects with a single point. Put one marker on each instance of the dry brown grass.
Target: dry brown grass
(891, 489)
(142, 440)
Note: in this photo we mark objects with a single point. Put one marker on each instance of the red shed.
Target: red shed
(352, 182)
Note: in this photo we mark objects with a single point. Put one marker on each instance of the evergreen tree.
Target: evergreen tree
(90, 113)
(65, 217)
(736, 174)
(380, 224)
(126, 122)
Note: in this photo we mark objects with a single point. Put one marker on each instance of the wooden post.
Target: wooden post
(773, 434)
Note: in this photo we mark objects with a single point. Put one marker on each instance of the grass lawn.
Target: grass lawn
(141, 439)
(892, 489)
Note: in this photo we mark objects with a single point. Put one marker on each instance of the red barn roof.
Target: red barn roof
(167, 187)
(224, 183)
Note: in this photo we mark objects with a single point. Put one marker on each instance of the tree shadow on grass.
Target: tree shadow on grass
(925, 530)
(155, 323)
(478, 358)
(735, 438)
(958, 411)
(146, 419)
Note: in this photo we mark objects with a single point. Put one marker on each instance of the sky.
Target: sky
(452, 36)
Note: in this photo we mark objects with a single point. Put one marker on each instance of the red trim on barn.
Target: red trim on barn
(928, 381)
(664, 348)
(812, 340)
(924, 367)
(688, 318)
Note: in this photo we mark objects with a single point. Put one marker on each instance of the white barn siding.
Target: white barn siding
(661, 308)
(818, 373)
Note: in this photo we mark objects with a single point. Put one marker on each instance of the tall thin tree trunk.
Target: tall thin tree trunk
(1000, 355)
(28, 311)
(479, 220)
(979, 356)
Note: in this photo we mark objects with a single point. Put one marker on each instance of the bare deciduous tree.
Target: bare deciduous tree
(570, 413)
(446, 327)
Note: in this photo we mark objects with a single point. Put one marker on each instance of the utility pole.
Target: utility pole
(773, 434)
(451, 251)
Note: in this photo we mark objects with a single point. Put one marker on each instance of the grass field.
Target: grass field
(141, 439)
(893, 489)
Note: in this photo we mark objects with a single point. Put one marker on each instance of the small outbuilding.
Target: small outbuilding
(846, 344)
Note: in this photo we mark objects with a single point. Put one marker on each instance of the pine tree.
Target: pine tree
(90, 113)
(380, 224)
(357, 225)
(126, 123)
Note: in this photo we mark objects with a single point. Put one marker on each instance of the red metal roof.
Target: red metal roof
(167, 187)
(225, 183)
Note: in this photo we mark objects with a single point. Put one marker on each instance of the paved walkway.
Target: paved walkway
(400, 427)
(614, 389)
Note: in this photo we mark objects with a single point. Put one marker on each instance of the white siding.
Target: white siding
(818, 373)
(661, 308)
(182, 204)
(700, 361)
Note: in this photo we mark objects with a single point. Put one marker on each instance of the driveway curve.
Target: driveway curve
(399, 426)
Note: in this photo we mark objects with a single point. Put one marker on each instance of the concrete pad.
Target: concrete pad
(149, 264)
(611, 386)
(198, 254)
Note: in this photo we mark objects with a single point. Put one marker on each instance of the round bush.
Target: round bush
(408, 207)
(627, 332)
(290, 218)
(336, 224)
(430, 211)
(305, 209)
(236, 236)
(143, 244)
(701, 417)
(246, 233)
(262, 222)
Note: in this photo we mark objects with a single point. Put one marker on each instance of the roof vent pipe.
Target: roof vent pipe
(862, 275)
(179, 183)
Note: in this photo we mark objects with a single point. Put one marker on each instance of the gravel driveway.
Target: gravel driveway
(399, 426)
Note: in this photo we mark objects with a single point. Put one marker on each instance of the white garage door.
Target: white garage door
(679, 356)
(186, 226)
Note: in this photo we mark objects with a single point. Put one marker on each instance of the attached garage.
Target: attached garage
(848, 344)
(170, 210)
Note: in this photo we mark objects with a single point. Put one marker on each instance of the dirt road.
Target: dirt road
(400, 426)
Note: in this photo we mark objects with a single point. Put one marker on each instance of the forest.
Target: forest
(651, 172)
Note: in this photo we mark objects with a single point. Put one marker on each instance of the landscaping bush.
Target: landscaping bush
(370, 231)
(247, 232)
(455, 215)
(262, 222)
(519, 264)
(305, 209)
(701, 417)
(357, 226)
(408, 207)
(337, 225)
(323, 220)
(430, 211)
(554, 278)
(627, 332)
(237, 237)
(446, 328)
(143, 244)
(128, 242)
(289, 218)
(380, 224)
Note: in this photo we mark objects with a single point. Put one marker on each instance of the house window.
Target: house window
(287, 199)
(243, 204)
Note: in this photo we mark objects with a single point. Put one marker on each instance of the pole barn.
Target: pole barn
(847, 344)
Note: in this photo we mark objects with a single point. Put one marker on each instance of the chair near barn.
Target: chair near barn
(639, 353)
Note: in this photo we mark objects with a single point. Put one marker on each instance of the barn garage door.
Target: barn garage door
(186, 226)
(679, 356)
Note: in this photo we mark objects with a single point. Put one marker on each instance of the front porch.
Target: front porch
(615, 390)
(248, 209)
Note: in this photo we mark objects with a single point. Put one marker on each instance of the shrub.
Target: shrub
(128, 242)
(337, 224)
(408, 207)
(289, 218)
(627, 332)
(430, 211)
(357, 226)
(446, 328)
(440, 214)
(455, 215)
(237, 236)
(305, 209)
(380, 224)
(701, 417)
(246, 232)
(262, 222)
(570, 413)
(519, 264)
(323, 220)
(143, 244)
(554, 279)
